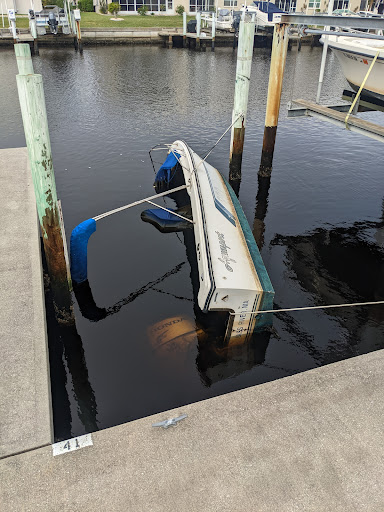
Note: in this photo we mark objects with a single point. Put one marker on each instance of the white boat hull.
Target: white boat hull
(355, 56)
(229, 278)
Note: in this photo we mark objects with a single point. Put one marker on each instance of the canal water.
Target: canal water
(319, 221)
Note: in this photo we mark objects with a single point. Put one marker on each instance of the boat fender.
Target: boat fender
(79, 244)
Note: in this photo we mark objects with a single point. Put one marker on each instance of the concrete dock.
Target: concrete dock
(309, 442)
(25, 400)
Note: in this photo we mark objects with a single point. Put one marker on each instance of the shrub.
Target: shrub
(180, 10)
(85, 5)
(113, 8)
(103, 7)
(152, 13)
(59, 3)
(143, 10)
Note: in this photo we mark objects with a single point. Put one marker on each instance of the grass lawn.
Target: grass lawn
(92, 20)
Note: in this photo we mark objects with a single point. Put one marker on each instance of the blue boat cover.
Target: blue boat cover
(267, 7)
(79, 243)
(164, 173)
(163, 215)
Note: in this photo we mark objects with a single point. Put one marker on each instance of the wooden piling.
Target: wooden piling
(32, 24)
(213, 31)
(79, 42)
(276, 74)
(32, 104)
(243, 74)
(184, 29)
(198, 30)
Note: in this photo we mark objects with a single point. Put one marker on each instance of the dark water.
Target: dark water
(319, 221)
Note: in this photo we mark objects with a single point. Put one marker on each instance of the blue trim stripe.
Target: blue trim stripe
(336, 48)
(222, 209)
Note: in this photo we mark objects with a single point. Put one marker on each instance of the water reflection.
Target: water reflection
(340, 265)
(70, 382)
(92, 312)
(264, 183)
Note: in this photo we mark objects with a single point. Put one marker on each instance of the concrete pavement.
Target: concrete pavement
(309, 442)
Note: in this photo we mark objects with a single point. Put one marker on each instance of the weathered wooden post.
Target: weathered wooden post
(198, 29)
(276, 74)
(33, 29)
(243, 75)
(324, 55)
(77, 15)
(213, 31)
(32, 104)
(184, 29)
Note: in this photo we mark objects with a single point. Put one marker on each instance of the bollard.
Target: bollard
(198, 29)
(213, 31)
(184, 29)
(324, 55)
(32, 104)
(243, 74)
(276, 74)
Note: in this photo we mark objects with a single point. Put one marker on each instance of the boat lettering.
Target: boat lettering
(224, 252)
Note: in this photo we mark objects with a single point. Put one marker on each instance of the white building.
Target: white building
(192, 6)
(21, 6)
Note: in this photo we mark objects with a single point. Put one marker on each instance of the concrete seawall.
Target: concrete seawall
(128, 36)
(25, 399)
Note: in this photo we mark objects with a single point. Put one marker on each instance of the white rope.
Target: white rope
(146, 200)
(226, 131)
(309, 308)
(170, 211)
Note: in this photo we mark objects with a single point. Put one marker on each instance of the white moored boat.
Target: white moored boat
(223, 21)
(232, 275)
(267, 14)
(355, 56)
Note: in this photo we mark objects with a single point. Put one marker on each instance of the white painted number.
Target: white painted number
(71, 445)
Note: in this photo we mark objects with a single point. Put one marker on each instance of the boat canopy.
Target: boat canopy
(267, 7)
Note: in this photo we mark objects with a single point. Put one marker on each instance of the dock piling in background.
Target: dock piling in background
(79, 41)
(213, 31)
(276, 74)
(243, 74)
(32, 104)
(324, 55)
(184, 29)
(33, 30)
(198, 30)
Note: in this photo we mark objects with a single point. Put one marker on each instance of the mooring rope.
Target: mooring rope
(361, 88)
(226, 131)
(310, 308)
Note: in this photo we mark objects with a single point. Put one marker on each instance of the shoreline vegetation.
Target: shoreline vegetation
(95, 20)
